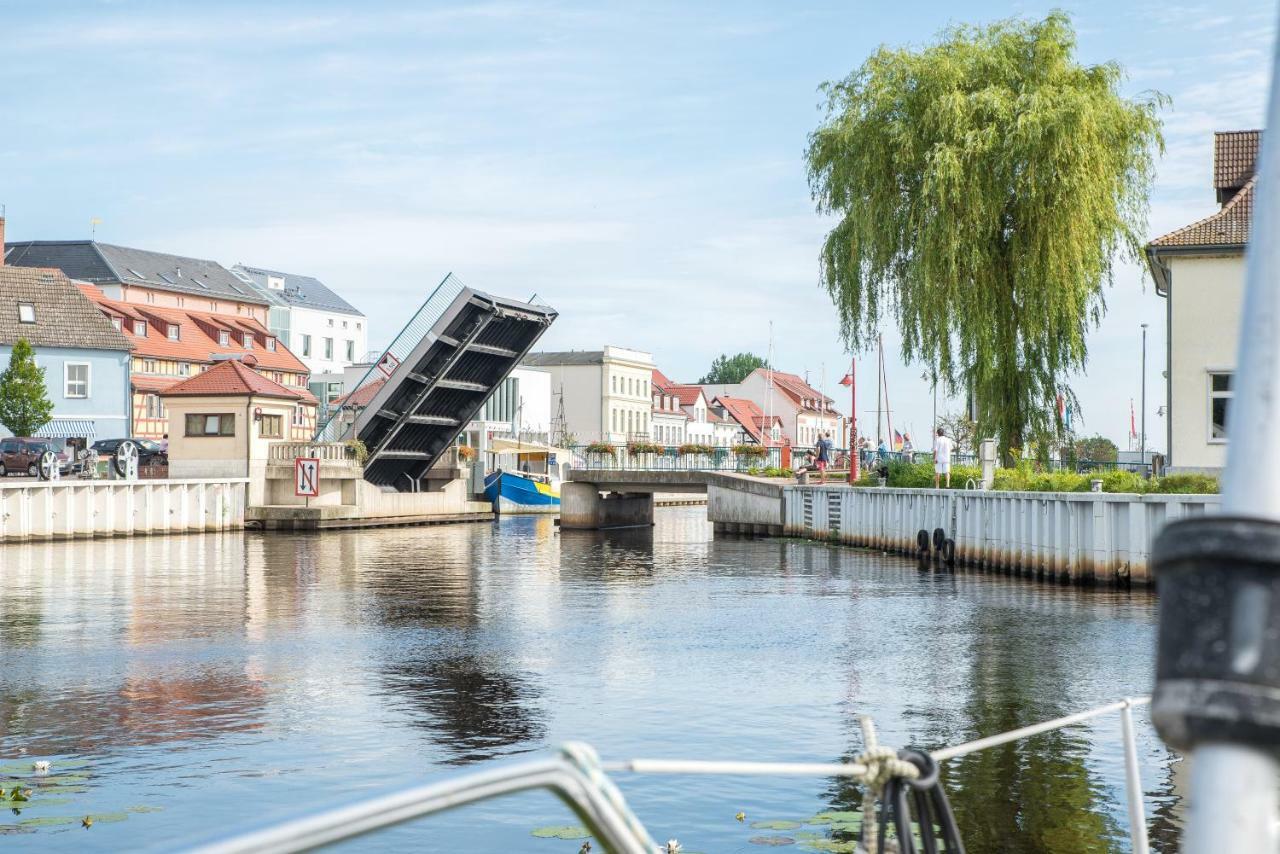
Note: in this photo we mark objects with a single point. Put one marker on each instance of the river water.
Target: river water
(184, 687)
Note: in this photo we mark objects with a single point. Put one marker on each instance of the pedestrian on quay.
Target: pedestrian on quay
(908, 449)
(942, 447)
(824, 456)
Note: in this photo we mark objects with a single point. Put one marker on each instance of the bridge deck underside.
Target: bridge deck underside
(432, 395)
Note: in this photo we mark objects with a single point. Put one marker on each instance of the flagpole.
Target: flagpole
(854, 473)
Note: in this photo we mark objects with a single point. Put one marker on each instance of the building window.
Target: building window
(26, 312)
(333, 391)
(271, 427)
(224, 338)
(117, 324)
(76, 376)
(344, 324)
(184, 368)
(148, 366)
(271, 344)
(357, 324)
(328, 347)
(154, 408)
(247, 338)
(351, 351)
(306, 345)
(299, 417)
(331, 321)
(1220, 394)
(175, 332)
(613, 383)
(140, 328)
(614, 419)
(211, 425)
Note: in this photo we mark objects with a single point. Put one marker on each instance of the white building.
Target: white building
(606, 394)
(520, 407)
(669, 419)
(805, 412)
(1199, 270)
(321, 328)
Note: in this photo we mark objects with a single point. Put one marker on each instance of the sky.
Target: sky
(638, 166)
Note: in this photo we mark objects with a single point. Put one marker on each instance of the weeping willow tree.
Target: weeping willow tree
(985, 188)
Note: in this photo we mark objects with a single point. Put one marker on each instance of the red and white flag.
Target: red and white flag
(1133, 426)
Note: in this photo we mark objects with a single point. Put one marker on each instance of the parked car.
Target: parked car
(149, 450)
(21, 455)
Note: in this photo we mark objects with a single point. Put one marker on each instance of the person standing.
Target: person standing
(942, 447)
(824, 456)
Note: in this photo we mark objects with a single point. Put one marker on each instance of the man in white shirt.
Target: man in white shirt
(942, 458)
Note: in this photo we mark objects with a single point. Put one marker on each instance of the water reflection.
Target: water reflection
(286, 669)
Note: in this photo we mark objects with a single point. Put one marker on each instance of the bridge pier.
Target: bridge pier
(583, 508)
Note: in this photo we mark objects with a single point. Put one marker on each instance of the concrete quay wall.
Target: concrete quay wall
(1063, 537)
(68, 509)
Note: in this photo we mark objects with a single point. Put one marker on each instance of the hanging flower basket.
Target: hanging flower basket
(637, 449)
(466, 452)
(696, 448)
(602, 448)
(750, 451)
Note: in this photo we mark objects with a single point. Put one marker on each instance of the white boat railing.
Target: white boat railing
(578, 778)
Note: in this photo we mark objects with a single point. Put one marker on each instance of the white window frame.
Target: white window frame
(299, 416)
(328, 349)
(30, 311)
(271, 344)
(140, 328)
(224, 338)
(66, 379)
(175, 332)
(247, 340)
(306, 345)
(1211, 396)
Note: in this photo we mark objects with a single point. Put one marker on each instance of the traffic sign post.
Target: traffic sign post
(388, 365)
(306, 478)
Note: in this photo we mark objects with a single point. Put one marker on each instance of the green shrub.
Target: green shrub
(1188, 484)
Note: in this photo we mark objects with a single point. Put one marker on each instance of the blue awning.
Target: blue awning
(66, 428)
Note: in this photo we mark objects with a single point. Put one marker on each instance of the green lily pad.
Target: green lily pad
(835, 816)
(772, 840)
(108, 817)
(24, 769)
(14, 829)
(562, 831)
(831, 845)
(49, 821)
(144, 808)
(775, 825)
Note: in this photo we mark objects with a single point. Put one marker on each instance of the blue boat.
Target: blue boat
(521, 492)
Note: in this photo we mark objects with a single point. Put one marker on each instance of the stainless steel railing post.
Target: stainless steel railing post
(1133, 783)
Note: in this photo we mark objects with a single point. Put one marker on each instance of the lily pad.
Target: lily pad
(562, 831)
(772, 840)
(831, 845)
(144, 808)
(108, 817)
(775, 825)
(14, 829)
(835, 816)
(50, 821)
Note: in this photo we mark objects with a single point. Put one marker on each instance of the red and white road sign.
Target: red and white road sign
(388, 365)
(306, 477)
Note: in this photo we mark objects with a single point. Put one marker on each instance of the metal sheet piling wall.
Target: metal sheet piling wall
(1067, 537)
(72, 509)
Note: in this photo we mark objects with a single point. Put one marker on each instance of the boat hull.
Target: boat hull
(510, 494)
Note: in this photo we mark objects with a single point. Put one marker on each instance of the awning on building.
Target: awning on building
(66, 428)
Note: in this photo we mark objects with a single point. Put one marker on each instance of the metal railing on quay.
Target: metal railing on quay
(610, 457)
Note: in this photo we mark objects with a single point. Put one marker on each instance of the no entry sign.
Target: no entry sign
(306, 477)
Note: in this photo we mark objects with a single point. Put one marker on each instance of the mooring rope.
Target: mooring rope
(883, 765)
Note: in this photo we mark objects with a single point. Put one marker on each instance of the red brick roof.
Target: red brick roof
(231, 378)
(198, 331)
(1235, 155)
(801, 393)
(142, 382)
(361, 397)
(749, 416)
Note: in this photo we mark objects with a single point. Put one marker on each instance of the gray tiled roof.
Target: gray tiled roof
(104, 263)
(301, 291)
(64, 316)
(564, 357)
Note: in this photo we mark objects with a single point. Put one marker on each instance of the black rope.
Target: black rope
(931, 808)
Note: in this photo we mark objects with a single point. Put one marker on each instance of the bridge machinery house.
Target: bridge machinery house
(171, 345)
(85, 359)
(1199, 270)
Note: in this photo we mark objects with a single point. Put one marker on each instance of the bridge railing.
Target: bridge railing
(672, 458)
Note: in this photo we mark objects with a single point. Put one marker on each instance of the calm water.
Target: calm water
(214, 682)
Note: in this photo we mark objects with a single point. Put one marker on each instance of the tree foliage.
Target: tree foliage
(24, 403)
(962, 429)
(1096, 449)
(985, 186)
(727, 370)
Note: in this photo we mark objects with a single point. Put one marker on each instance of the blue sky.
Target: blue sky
(637, 165)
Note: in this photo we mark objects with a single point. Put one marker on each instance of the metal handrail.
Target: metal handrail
(579, 779)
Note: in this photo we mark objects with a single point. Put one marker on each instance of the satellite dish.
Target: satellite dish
(126, 455)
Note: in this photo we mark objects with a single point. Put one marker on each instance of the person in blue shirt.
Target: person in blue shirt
(824, 456)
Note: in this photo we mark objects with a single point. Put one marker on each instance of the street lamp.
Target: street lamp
(1142, 440)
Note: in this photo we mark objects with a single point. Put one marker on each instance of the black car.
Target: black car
(149, 450)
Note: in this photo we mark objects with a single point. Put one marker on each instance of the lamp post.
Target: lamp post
(852, 382)
(1142, 437)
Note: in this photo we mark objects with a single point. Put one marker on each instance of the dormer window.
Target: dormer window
(175, 332)
(247, 338)
(224, 338)
(271, 344)
(26, 312)
(118, 324)
(140, 328)
(275, 283)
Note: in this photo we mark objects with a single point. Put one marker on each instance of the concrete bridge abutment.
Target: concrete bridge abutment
(583, 507)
